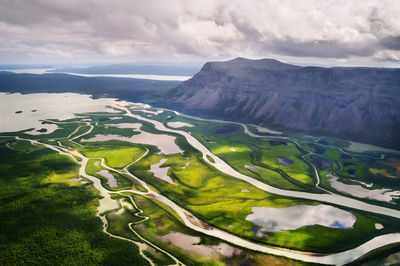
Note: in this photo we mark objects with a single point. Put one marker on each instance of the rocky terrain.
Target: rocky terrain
(361, 104)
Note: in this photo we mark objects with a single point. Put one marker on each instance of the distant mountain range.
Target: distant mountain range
(172, 69)
(130, 89)
(361, 104)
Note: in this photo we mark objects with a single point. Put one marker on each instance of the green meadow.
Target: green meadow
(115, 156)
(48, 212)
(225, 202)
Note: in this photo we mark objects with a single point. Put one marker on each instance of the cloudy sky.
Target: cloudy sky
(342, 32)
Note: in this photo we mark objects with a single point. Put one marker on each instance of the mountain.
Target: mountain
(129, 89)
(174, 69)
(361, 104)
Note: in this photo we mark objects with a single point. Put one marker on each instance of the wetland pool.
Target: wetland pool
(294, 217)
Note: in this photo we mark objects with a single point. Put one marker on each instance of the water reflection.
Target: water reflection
(294, 217)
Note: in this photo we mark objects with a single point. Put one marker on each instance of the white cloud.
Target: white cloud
(367, 29)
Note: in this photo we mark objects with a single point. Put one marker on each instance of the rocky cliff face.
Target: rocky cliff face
(361, 104)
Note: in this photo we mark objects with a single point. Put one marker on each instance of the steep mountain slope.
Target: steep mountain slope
(361, 104)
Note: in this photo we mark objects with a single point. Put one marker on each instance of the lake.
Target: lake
(47, 105)
(136, 76)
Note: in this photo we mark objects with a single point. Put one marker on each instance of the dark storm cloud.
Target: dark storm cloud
(323, 49)
(82, 30)
(391, 42)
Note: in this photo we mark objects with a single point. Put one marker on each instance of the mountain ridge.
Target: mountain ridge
(356, 103)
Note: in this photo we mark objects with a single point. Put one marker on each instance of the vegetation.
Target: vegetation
(48, 220)
(161, 222)
(225, 202)
(48, 212)
(115, 156)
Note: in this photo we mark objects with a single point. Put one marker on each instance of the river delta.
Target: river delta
(183, 189)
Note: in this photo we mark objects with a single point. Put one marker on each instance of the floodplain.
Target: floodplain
(131, 173)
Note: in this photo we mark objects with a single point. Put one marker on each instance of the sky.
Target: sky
(357, 32)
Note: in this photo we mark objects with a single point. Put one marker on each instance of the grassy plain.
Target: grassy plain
(255, 157)
(258, 157)
(162, 221)
(215, 198)
(225, 202)
(115, 156)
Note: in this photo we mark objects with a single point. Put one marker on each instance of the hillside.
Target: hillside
(361, 104)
